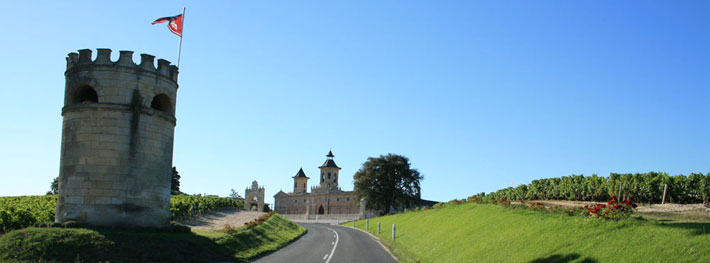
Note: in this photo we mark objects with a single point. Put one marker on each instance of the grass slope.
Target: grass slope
(85, 245)
(266, 237)
(487, 233)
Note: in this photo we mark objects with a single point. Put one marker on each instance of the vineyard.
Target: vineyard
(182, 206)
(638, 187)
(22, 211)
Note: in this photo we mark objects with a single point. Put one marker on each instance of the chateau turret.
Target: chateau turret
(329, 173)
(117, 140)
(300, 182)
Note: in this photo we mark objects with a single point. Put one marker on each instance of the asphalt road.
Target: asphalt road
(331, 244)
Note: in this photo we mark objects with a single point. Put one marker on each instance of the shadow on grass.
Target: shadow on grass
(696, 229)
(98, 245)
(559, 258)
(164, 247)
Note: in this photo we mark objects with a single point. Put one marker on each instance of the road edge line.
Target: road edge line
(379, 241)
(337, 237)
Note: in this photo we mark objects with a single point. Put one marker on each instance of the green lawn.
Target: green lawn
(488, 233)
(86, 245)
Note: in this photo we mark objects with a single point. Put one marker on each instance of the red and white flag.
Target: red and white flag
(175, 23)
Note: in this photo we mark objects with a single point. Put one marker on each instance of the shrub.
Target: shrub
(612, 210)
(70, 224)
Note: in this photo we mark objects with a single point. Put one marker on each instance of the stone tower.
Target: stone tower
(329, 173)
(300, 181)
(117, 140)
(254, 198)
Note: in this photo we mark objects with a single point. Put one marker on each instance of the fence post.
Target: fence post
(394, 229)
(367, 225)
(665, 191)
(378, 228)
(353, 222)
(338, 220)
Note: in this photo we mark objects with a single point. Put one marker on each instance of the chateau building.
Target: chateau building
(325, 198)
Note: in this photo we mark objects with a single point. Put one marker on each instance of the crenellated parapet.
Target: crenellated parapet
(125, 59)
(325, 189)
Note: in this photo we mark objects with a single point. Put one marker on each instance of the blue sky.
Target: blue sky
(478, 94)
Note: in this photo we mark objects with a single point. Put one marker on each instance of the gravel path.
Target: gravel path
(220, 219)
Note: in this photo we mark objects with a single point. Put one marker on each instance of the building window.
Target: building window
(304, 185)
(337, 199)
(348, 198)
(328, 175)
(295, 201)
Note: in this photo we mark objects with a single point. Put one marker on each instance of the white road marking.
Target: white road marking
(335, 244)
(332, 243)
(326, 256)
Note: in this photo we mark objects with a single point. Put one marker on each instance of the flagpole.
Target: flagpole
(180, 47)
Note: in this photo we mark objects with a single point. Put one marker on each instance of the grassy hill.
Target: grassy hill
(473, 232)
(113, 245)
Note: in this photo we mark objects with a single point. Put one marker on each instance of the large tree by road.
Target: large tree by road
(388, 181)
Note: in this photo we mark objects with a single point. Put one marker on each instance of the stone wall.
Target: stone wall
(338, 218)
(116, 155)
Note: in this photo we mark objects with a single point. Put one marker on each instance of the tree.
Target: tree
(54, 186)
(388, 181)
(235, 195)
(175, 183)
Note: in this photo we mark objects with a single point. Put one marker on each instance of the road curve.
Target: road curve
(331, 244)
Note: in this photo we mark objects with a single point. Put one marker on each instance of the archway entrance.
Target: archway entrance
(321, 210)
(252, 204)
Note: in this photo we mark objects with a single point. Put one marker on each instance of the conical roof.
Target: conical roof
(329, 163)
(301, 174)
(330, 154)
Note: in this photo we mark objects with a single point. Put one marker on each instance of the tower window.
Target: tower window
(304, 185)
(328, 175)
(295, 185)
(161, 102)
(84, 94)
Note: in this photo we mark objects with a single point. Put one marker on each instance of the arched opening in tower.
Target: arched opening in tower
(161, 102)
(321, 210)
(84, 94)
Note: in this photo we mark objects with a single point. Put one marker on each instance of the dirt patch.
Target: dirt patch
(219, 219)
